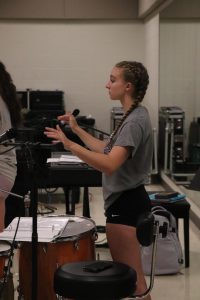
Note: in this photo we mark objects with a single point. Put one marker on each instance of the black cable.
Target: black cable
(50, 209)
(47, 190)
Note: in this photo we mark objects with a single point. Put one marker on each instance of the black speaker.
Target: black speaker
(195, 182)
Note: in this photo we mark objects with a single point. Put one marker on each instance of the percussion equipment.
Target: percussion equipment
(77, 243)
(6, 284)
(108, 280)
(4, 254)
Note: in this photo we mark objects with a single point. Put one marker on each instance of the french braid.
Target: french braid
(109, 145)
(133, 106)
(135, 73)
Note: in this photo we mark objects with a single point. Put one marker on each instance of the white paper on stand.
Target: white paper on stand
(66, 159)
(48, 229)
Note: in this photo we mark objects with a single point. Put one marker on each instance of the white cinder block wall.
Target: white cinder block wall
(73, 56)
(152, 63)
(180, 67)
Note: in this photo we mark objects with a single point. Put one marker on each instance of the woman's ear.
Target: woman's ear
(129, 86)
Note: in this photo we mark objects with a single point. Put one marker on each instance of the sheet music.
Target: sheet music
(65, 159)
(48, 229)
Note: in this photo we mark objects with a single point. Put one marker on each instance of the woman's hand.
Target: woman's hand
(58, 136)
(70, 119)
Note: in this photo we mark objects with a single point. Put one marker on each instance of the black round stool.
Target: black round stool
(99, 280)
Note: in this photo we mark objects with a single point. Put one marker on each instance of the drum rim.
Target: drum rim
(6, 251)
(72, 216)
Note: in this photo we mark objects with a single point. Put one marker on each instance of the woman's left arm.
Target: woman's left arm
(106, 163)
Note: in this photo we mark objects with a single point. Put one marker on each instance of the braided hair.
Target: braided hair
(135, 73)
(9, 95)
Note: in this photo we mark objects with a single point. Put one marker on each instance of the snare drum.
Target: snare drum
(4, 254)
(77, 243)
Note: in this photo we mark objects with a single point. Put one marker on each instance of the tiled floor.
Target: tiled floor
(184, 286)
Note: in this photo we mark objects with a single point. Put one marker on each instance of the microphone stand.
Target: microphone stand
(12, 194)
(66, 127)
(95, 129)
(34, 206)
(81, 123)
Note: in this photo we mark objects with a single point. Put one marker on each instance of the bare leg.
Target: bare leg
(124, 248)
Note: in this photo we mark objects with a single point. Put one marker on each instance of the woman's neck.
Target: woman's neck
(127, 103)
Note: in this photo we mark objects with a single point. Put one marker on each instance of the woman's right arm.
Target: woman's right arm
(89, 140)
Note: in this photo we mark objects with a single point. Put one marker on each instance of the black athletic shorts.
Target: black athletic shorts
(128, 207)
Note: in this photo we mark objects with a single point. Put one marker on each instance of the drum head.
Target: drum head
(77, 226)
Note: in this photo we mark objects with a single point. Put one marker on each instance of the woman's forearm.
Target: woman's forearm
(90, 141)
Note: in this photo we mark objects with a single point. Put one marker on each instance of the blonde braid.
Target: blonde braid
(109, 145)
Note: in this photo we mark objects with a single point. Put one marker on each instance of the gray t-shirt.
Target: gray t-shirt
(136, 133)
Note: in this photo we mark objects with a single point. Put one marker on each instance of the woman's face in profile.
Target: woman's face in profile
(116, 84)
